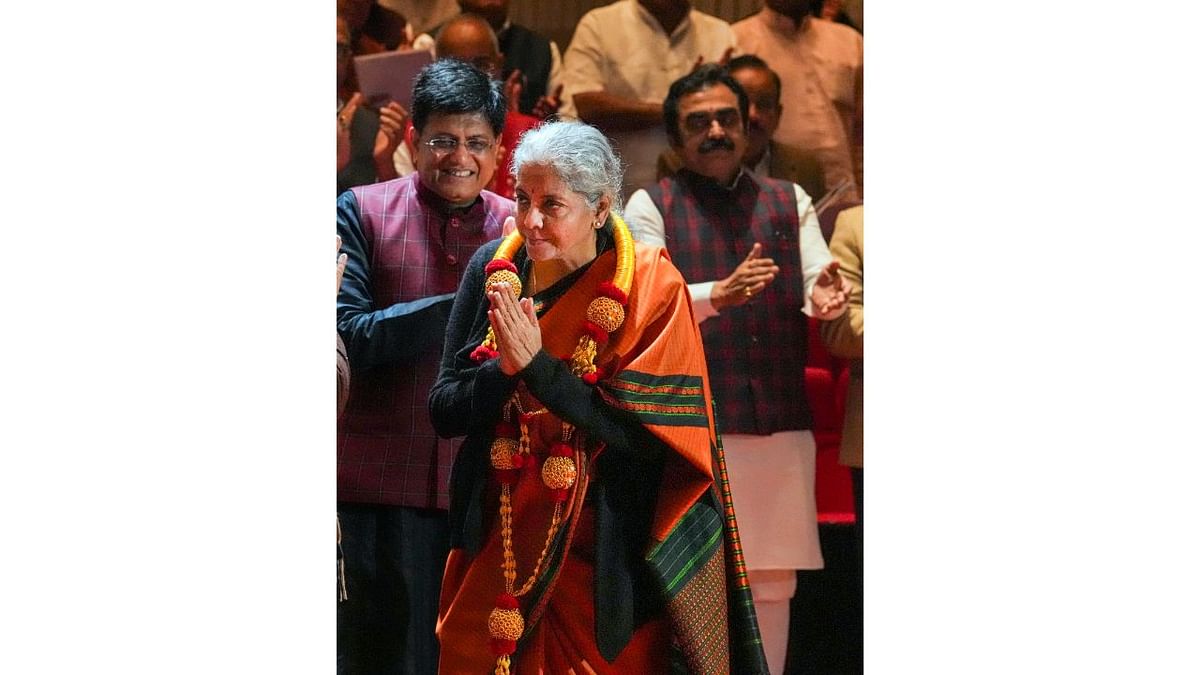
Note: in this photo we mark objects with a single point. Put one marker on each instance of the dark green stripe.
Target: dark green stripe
(651, 380)
(667, 420)
(693, 541)
(686, 400)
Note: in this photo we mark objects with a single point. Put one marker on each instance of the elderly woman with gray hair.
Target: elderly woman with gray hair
(592, 528)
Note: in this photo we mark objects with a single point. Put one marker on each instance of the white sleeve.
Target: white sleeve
(403, 160)
(583, 67)
(646, 225)
(556, 73)
(814, 254)
(644, 221)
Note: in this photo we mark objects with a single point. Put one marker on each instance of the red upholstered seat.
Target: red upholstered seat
(834, 488)
(818, 354)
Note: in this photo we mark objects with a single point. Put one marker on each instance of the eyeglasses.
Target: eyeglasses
(444, 145)
(699, 122)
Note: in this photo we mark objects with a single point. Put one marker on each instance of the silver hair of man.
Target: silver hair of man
(579, 154)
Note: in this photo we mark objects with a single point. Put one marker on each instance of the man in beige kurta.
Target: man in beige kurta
(821, 65)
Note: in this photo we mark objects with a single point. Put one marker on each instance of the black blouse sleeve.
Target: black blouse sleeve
(468, 397)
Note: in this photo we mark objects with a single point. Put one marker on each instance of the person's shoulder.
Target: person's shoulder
(851, 219)
(654, 261)
(496, 203)
(835, 31)
(384, 191)
(781, 184)
(747, 21)
(608, 12)
(483, 255)
(708, 22)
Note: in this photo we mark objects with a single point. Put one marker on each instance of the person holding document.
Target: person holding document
(366, 138)
(407, 243)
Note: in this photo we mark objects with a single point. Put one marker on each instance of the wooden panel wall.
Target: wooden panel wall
(556, 19)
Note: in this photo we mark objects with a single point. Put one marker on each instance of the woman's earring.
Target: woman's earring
(596, 225)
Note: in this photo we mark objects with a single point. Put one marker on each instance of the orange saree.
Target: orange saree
(644, 569)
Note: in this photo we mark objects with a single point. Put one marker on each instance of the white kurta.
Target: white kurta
(821, 66)
(621, 49)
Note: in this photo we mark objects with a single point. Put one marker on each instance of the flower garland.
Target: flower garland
(511, 454)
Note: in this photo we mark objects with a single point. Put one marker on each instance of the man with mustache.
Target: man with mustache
(407, 242)
(764, 155)
(621, 60)
(756, 265)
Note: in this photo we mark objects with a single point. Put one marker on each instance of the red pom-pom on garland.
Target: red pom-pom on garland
(561, 449)
(502, 647)
(518, 460)
(506, 430)
(609, 290)
(507, 601)
(500, 264)
(532, 466)
(559, 496)
(591, 379)
(595, 332)
(483, 353)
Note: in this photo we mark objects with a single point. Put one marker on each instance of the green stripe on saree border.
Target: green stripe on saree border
(666, 400)
(693, 541)
(668, 419)
(632, 385)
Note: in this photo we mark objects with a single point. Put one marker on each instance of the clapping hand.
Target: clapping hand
(512, 90)
(341, 263)
(830, 293)
(344, 117)
(548, 105)
(723, 61)
(392, 118)
(749, 279)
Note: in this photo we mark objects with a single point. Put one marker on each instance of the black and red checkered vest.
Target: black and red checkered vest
(756, 352)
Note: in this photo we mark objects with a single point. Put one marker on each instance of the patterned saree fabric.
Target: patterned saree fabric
(645, 573)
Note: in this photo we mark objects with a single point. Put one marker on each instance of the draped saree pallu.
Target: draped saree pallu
(543, 593)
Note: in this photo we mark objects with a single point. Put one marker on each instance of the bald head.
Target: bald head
(469, 38)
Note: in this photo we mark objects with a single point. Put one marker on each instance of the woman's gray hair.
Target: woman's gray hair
(580, 155)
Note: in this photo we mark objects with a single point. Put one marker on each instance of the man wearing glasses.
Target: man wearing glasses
(469, 38)
(407, 241)
(751, 250)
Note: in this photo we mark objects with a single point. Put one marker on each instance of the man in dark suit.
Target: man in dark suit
(764, 156)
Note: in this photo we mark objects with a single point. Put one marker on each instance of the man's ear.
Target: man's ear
(412, 137)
